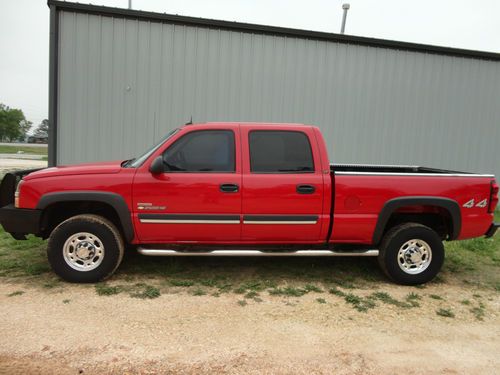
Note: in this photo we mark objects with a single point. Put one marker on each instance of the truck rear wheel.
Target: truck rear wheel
(411, 254)
(85, 249)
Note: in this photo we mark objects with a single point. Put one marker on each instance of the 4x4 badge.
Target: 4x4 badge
(469, 204)
(481, 204)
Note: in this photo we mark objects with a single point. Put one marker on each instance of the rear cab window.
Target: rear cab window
(280, 151)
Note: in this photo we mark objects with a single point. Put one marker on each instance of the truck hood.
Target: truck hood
(110, 167)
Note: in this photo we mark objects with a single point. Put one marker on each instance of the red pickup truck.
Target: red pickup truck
(246, 189)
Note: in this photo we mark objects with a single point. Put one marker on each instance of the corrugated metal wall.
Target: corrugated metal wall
(124, 83)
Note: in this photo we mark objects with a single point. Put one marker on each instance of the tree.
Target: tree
(13, 124)
(42, 130)
(25, 126)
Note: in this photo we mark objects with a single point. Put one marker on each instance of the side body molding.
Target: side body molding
(114, 200)
(392, 205)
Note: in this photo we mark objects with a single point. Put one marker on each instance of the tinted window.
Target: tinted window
(280, 152)
(134, 163)
(202, 151)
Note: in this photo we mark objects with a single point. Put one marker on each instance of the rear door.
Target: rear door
(198, 197)
(282, 185)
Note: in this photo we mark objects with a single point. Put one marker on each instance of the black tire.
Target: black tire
(107, 236)
(395, 239)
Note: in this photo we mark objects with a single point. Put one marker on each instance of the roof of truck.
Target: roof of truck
(245, 124)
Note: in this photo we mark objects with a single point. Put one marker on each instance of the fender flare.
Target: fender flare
(114, 200)
(392, 205)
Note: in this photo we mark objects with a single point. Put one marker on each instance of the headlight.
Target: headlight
(16, 194)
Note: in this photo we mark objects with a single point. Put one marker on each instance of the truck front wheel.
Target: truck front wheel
(411, 254)
(85, 249)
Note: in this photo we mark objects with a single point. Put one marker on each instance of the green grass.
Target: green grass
(198, 292)
(25, 149)
(288, 291)
(22, 258)
(16, 293)
(294, 291)
(447, 313)
(359, 303)
(478, 312)
(184, 283)
(411, 300)
(413, 296)
(363, 304)
(436, 296)
(251, 294)
(103, 289)
(145, 292)
(313, 288)
(253, 286)
(52, 283)
(477, 261)
(336, 291)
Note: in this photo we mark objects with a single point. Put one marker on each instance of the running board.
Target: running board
(314, 253)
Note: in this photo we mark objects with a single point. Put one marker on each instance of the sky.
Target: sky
(24, 30)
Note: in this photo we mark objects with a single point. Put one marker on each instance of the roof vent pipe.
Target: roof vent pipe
(344, 18)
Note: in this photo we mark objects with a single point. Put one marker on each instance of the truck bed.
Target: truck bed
(393, 169)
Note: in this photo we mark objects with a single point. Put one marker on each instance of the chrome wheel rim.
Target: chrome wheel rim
(414, 256)
(83, 251)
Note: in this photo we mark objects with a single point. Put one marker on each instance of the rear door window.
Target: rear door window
(280, 152)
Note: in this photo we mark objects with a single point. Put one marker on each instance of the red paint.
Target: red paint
(358, 199)
(275, 194)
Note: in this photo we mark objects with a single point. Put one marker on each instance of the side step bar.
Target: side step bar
(314, 253)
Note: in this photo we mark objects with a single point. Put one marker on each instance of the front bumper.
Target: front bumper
(493, 228)
(20, 221)
(17, 221)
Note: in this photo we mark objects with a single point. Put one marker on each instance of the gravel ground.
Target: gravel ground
(72, 330)
(38, 145)
(9, 164)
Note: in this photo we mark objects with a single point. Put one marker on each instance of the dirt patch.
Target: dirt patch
(11, 164)
(73, 330)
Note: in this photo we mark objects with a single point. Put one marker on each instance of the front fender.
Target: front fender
(114, 200)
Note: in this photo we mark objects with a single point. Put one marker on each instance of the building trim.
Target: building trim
(53, 84)
(265, 29)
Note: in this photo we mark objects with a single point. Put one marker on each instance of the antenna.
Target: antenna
(190, 122)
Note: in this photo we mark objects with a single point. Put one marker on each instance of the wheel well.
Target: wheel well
(56, 213)
(437, 218)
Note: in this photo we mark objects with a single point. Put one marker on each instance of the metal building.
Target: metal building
(120, 79)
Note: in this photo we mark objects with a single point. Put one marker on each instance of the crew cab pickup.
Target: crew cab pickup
(246, 189)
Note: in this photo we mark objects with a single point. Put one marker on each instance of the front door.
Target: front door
(198, 197)
(283, 186)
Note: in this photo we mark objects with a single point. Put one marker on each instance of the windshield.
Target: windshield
(137, 162)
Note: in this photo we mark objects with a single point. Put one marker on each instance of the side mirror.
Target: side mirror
(156, 166)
